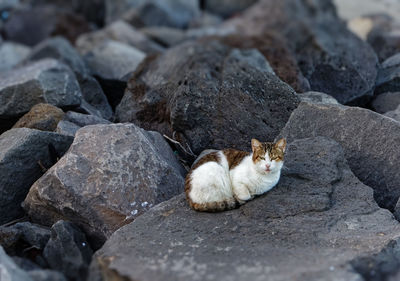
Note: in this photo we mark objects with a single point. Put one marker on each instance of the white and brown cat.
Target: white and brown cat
(224, 179)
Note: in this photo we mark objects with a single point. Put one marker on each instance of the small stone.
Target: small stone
(386, 102)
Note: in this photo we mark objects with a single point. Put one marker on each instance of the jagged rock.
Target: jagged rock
(165, 36)
(20, 151)
(388, 79)
(9, 270)
(275, 50)
(118, 31)
(208, 95)
(333, 59)
(114, 60)
(318, 98)
(31, 25)
(370, 142)
(68, 251)
(83, 120)
(110, 175)
(42, 116)
(45, 81)
(11, 54)
(311, 226)
(67, 128)
(227, 8)
(172, 13)
(394, 114)
(386, 102)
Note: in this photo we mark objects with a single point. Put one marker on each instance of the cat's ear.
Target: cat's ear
(281, 144)
(255, 144)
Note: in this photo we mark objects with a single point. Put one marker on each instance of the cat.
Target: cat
(224, 179)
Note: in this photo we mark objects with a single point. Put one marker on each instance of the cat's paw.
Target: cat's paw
(243, 198)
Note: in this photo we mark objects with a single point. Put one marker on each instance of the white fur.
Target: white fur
(214, 182)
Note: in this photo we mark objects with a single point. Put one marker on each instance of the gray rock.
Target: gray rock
(25, 264)
(311, 226)
(68, 251)
(11, 54)
(118, 31)
(67, 128)
(206, 94)
(333, 59)
(386, 102)
(394, 114)
(110, 175)
(45, 81)
(165, 36)
(113, 60)
(9, 271)
(388, 79)
(172, 13)
(42, 116)
(205, 19)
(370, 142)
(226, 8)
(317, 98)
(46, 275)
(20, 152)
(83, 120)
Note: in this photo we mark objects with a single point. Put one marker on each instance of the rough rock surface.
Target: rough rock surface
(45, 81)
(386, 102)
(394, 114)
(67, 128)
(68, 251)
(226, 8)
(208, 95)
(83, 120)
(110, 175)
(311, 226)
(370, 142)
(12, 54)
(41, 22)
(317, 97)
(388, 79)
(42, 116)
(20, 151)
(9, 270)
(165, 36)
(118, 31)
(334, 60)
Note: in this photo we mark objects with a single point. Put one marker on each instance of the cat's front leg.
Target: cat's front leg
(241, 193)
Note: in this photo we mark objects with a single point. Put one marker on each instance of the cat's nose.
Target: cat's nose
(267, 166)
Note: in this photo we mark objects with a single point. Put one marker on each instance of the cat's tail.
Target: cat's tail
(213, 207)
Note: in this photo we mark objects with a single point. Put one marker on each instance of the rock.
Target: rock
(356, 8)
(333, 59)
(67, 128)
(275, 50)
(388, 79)
(317, 98)
(226, 8)
(41, 22)
(60, 49)
(370, 142)
(386, 102)
(172, 13)
(46, 275)
(205, 19)
(83, 120)
(206, 94)
(68, 251)
(25, 264)
(20, 152)
(11, 54)
(9, 271)
(165, 36)
(319, 211)
(110, 175)
(394, 114)
(42, 116)
(45, 81)
(118, 31)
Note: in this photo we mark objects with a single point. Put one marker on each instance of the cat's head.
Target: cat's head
(268, 156)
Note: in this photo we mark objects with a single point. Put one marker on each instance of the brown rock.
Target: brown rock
(42, 116)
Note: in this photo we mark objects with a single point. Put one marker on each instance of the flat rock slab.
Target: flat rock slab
(20, 152)
(110, 175)
(370, 141)
(309, 227)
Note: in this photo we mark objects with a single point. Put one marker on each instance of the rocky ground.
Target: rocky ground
(105, 104)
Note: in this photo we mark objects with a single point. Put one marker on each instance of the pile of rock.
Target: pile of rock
(104, 106)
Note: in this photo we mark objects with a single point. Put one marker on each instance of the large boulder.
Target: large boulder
(206, 94)
(370, 142)
(311, 226)
(45, 81)
(333, 59)
(110, 175)
(23, 154)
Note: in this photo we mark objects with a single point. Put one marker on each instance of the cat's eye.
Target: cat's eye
(262, 157)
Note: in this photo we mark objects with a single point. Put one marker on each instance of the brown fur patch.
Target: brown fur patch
(274, 151)
(234, 157)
